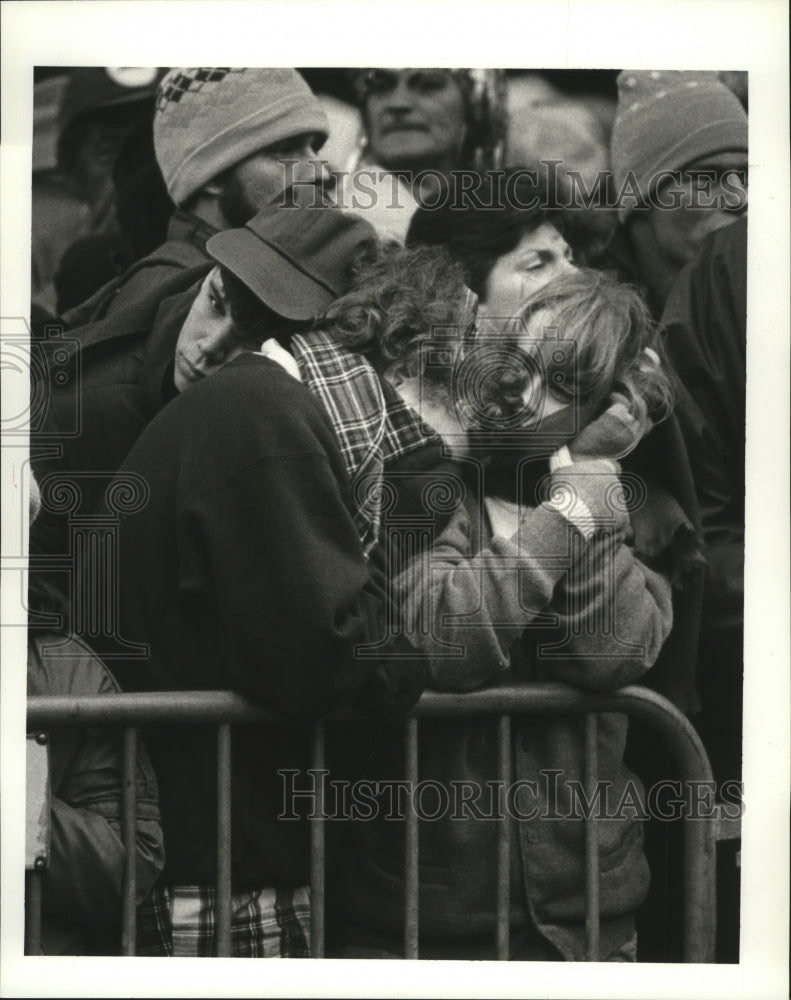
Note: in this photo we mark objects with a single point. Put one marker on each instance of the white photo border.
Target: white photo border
(541, 34)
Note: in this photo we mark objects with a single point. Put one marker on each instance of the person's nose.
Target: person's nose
(567, 266)
(399, 99)
(320, 170)
(216, 346)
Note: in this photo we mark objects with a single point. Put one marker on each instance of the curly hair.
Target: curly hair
(400, 302)
(617, 350)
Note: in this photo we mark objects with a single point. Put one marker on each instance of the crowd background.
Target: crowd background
(88, 229)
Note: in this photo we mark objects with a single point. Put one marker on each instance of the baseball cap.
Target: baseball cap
(294, 257)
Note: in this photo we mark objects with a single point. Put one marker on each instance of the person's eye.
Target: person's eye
(380, 81)
(533, 262)
(289, 147)
(217, 303)
(429, 82)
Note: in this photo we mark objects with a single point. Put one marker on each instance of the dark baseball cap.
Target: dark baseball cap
(95, 88)
(294, 256)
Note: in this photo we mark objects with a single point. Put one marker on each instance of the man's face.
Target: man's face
(415, 119)
(709, 194)
(540, 256)
(260, 179)
(208, 338)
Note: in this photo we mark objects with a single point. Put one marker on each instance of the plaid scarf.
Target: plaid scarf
(370, 429)
(178, 921)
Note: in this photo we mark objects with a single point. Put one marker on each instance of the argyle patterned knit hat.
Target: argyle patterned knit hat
(667, 119)
(210, 118)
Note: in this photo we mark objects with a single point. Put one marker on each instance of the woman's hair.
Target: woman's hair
(398, 303)
(480, 224)
(616, 345)
(477, 237)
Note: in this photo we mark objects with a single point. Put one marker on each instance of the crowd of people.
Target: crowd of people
(476, 412)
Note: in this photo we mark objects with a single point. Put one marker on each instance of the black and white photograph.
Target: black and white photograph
(395, 518)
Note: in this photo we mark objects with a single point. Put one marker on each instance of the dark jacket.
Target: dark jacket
(704, 324)
(82, 886)
(152, 278)
(242, 568)
(99, 396)
(102, 381)
(705, 321)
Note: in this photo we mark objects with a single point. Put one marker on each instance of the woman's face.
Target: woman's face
(541, 255)
(415, 119)
(208, 338)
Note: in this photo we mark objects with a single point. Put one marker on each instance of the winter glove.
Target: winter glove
(588, 494)
(612, 435)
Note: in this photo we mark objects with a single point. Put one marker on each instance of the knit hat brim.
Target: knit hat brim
(260, 130)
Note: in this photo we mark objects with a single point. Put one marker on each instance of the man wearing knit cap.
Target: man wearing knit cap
(228, 142)
(679, 160)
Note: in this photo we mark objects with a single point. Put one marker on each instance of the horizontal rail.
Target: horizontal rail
(501, 699)
(212, 707)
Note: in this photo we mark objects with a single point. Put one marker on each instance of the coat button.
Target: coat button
(532, 837)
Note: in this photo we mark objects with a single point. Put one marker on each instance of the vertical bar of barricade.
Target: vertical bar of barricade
(411, 852)
(317, 849)
(700, 889)
(591, 777)
(222, 906)
(32, 913)
(129, 833)
(504, 845)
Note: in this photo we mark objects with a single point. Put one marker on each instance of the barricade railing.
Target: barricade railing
(224, 708)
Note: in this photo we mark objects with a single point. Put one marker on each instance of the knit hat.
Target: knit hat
(210, 118)
(668, 119)
(295, 258)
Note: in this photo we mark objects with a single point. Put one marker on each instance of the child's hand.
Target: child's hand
(612, 435)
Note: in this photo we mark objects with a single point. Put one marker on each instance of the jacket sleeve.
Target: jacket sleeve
(274, 553)
(87, 854)
(465, 611)
(614, 614)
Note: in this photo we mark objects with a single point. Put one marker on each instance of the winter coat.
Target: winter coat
(468, 584)
(243, 569)
(81, 891)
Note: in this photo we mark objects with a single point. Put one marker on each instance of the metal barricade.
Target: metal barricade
(223, 708)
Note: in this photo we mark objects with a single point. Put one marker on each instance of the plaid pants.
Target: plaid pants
(178, 921)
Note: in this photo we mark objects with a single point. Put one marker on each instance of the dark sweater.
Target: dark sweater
(243, 570)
